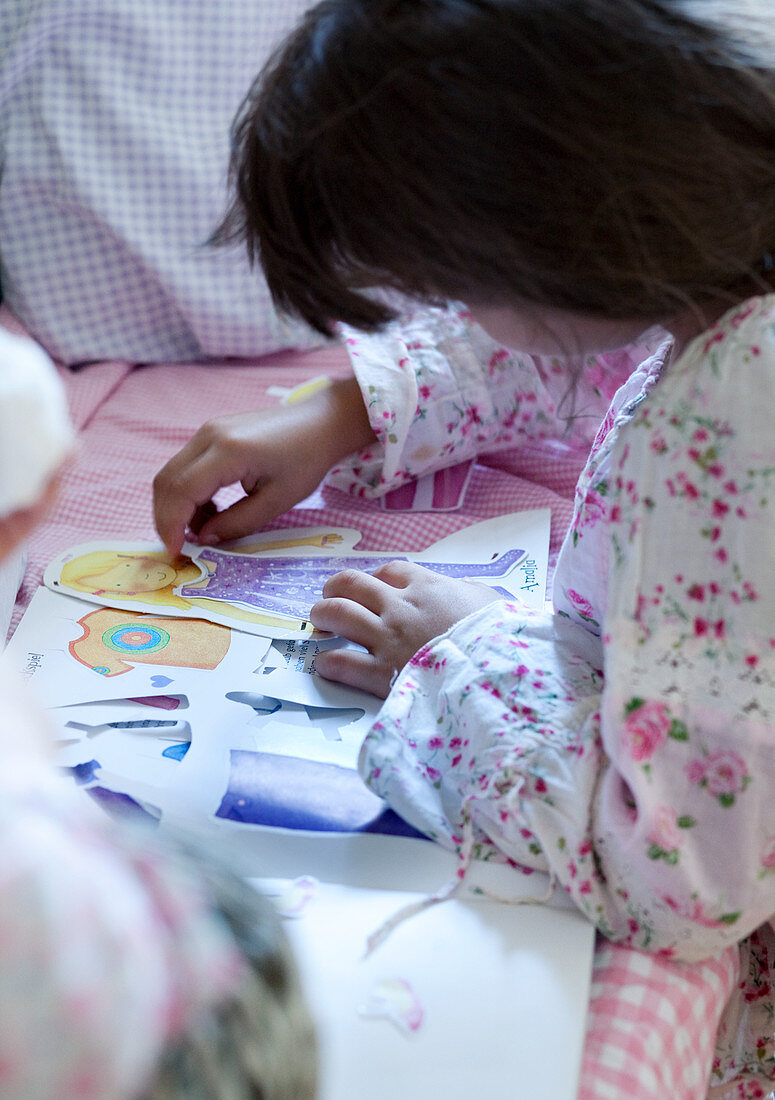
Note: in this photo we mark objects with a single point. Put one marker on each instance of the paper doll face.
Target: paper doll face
(134, 574)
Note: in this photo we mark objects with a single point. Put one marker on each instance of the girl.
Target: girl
(584, 174)
(127, 969)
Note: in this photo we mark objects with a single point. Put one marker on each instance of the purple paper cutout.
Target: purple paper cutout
(121, 805)
(85, 772)
(290, 586)
(162, 702)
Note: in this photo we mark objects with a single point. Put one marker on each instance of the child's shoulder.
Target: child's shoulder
(744, 333)
(724, 380)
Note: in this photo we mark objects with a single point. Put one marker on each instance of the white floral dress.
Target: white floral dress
(624, 739)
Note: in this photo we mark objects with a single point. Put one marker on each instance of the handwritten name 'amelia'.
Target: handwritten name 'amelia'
(528, 567)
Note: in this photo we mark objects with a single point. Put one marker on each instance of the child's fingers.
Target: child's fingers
(247, 515)
(202, 514)
(173, 508)
(399, 574)
(180, 489)
(363, 588)
(171, 524)
(356, 669)
(175, 472)
(347, 619)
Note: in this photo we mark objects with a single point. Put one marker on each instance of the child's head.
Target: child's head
(615, 158)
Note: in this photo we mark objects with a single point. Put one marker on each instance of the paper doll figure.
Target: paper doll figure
(254, 590)
(111, 639)
(150, 578)
(291, 585)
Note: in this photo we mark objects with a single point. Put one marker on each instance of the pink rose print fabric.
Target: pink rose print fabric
(439, 391)
(624, 739)
(646, 726)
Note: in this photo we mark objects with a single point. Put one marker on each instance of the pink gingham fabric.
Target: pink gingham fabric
(114, 146)
(652, 1023)
(651, 1027)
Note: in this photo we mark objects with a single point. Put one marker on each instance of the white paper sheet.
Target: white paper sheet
(503, 992)
(503, 988)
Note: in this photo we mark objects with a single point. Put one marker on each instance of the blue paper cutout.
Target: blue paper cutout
(290, 793)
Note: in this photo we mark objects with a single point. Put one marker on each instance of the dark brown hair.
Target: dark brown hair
(612, 157)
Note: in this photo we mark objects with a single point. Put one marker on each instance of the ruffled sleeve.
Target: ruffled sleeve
(440, 391)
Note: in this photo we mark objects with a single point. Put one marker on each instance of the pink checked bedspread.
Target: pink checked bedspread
(651, 1024)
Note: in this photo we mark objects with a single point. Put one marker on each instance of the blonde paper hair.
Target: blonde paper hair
(84, 574)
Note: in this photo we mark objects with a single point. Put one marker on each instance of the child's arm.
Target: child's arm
(646, 791)
(501, 731)
(439, 390)
(279, 455)
(434, 390)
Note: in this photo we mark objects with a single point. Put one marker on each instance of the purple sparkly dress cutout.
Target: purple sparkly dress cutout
(290, 586)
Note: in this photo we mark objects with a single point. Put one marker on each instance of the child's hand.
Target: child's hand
(392, 613)
(278, 455)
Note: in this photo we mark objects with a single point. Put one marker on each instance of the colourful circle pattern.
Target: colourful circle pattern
(136, 638)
